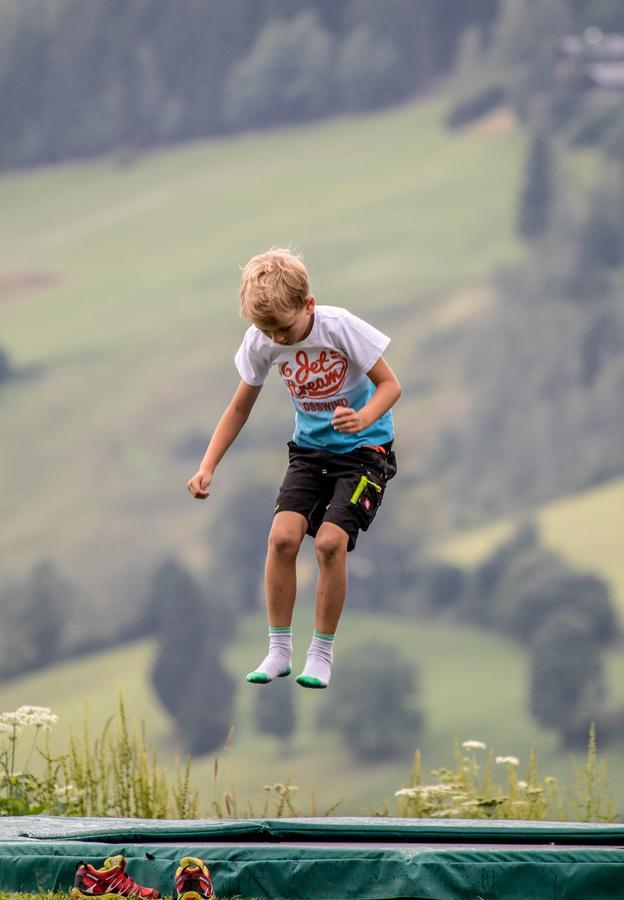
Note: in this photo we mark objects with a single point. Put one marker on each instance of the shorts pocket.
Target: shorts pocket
(366, 499)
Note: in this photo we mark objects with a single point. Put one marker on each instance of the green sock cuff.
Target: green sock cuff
(324, 637)
(286, 629)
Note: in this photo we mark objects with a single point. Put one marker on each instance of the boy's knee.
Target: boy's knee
(330, 543)
(284, 541)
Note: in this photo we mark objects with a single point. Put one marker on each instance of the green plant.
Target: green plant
(278, 799)
(115, 775)
(471, 790)
(118, 774)
(22, 792)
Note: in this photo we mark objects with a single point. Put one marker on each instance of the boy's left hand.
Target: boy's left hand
(347, 420)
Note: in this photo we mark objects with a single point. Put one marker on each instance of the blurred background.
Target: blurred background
(453, 173)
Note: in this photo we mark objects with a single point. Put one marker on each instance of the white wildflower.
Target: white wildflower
(13, 720)
(41, 716)
(474, 745)
(406, 792)
(510, 760)
(68, 792)
(426, 790)
(522, 785)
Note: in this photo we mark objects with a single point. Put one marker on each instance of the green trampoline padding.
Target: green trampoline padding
(330, 859)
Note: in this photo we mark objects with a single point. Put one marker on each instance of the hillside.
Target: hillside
(585, 528)
(118, 308)
(472, 689)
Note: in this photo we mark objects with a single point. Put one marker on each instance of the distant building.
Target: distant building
(600, 55)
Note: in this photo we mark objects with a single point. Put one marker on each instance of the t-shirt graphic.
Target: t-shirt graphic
(326, 370)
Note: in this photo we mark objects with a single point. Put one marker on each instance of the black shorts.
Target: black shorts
(343, 488)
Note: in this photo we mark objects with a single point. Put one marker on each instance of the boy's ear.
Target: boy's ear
(309, 304)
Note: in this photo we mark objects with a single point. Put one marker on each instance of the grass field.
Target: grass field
(473, 688)
(118, 304)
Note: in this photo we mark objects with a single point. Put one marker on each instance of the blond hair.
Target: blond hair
(273, 285)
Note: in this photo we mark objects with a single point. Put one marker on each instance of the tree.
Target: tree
(188, 672)
(482, 585)
(41, 621)
(177, 608)
(6, 370)
(367, 71)
(525, 46)
(375, 703)
(567, 679)
(238, 545)
(538, 190)
(600, 245)
(539, 584)
(286, 77)
(274, 710)
(204, 707)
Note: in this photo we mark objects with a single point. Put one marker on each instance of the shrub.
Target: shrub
(375, 702)
(474, 106)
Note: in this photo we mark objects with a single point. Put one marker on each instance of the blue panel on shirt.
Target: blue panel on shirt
(313, 420)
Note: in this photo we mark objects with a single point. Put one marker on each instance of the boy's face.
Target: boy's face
(291, 328)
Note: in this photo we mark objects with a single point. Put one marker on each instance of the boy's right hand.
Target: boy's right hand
(199, 484)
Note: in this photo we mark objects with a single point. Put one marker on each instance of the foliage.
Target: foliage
(599, 245)
(238, 545)
(188, 674)
(116, 775)
(525, 45)
(278, 799)
(592, 121)
(472, 106)
(538, 189)
(567, 680)
(374, 702)
(274, 710)
(21, 791)
(33, 615)
(367, 73)
(80, 80)
(472, 790)
(285, 77)
(530, 594)
(6, 369)
(370, 584)
(548, 402)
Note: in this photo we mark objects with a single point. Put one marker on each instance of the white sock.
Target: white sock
(317, 670)
(278, 662)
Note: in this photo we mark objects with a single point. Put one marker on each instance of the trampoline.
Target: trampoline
(329, 858)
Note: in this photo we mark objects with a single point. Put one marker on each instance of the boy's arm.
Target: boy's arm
(350, 421)
(228, 427)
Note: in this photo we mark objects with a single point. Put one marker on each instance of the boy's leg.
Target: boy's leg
(360, 483)
(280, 580)
(330, 546)
(280, 573)
(331, 553)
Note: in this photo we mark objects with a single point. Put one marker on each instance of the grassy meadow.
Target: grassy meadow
(118, 308)
(473, 689)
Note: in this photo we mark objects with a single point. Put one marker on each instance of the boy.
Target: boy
(341, 454)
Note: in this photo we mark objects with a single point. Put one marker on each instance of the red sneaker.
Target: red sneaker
(112, 880)
(192, 880)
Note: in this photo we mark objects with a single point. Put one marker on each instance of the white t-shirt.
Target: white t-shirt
(325, 370)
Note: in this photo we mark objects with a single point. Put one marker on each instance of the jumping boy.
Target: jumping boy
(340, 458)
